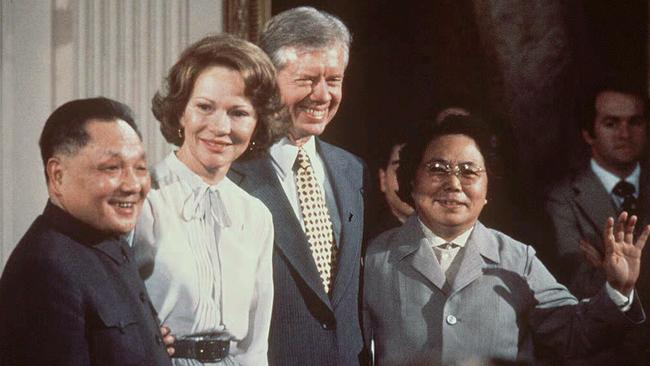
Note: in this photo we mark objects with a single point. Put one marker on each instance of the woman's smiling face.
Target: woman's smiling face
(217, 123)
(448, 205)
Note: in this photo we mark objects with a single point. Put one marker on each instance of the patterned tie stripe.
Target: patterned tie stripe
(318, 226)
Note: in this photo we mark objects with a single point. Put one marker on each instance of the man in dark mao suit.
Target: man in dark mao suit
(70, 293)
(315, 317)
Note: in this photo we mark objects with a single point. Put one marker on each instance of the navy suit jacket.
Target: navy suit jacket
(308, 327)
(71, 295)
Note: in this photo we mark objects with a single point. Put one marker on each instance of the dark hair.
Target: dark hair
(229, 51)
(461, 99)
(65, 129)
(387, 154)
(411, 154)
(620, 85)
(303, 27)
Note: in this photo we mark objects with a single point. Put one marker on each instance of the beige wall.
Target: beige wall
(57, 50)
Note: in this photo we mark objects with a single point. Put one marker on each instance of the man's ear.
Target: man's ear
(587, 137)
(55, 170)
(382, 180)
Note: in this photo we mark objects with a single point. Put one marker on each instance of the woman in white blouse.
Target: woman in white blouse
(205, 245)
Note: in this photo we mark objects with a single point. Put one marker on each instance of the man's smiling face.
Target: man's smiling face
(311, 82)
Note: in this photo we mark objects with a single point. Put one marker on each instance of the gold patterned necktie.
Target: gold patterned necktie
(318, 226)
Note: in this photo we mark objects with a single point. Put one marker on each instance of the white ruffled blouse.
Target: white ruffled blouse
(212, 266)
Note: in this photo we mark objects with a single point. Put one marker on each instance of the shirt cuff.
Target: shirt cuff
(623, 302)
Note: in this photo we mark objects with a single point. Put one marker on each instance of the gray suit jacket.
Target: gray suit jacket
(308, 327)
(500, 300)
(578, 208)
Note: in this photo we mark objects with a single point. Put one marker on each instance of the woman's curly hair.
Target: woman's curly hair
(229, 51)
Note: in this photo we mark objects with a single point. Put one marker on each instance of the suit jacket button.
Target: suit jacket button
(451, 320)
(325, 326)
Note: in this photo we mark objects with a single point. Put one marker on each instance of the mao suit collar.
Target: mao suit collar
(110, 244)
(413, 248)
(482, 248)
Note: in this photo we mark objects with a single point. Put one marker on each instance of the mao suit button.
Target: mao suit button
(451, 320)
(329, 325)
(125, 257)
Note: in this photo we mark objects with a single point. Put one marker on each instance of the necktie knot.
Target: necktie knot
(445, 253)
(302, 160)
(447, 246)
(624, 189)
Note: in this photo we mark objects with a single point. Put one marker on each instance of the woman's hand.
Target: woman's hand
(622, 260)
(168, 339)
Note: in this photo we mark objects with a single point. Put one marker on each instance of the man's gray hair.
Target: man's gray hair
(303, 27)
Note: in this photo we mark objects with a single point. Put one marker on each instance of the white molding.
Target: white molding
(121, 50)
(26, 102)
(6, 192)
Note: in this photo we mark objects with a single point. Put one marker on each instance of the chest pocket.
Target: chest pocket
(116, 337)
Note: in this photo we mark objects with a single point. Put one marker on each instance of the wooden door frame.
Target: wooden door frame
(245, 18)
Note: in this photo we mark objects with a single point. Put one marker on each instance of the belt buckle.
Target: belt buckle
(211, 350)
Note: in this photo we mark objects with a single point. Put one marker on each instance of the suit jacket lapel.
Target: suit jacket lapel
(349, 202)
(643, 284)
(258, 178)
(588, 188)
(415, 251)
(480, 244)
(644, 198)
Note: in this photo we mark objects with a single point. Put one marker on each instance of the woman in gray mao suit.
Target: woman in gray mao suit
(444, 289)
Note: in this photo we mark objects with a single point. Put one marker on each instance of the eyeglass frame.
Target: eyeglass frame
(455, 169)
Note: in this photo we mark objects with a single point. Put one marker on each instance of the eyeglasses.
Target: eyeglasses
(467, 173)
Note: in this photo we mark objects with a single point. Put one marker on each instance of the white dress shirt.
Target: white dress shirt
(446, 256)
(206, 258)
(609, 180)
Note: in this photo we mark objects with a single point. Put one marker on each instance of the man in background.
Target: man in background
(616, 129)
(394, 211)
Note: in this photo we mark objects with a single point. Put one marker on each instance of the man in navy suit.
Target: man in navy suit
(70, 293)
(316, 303)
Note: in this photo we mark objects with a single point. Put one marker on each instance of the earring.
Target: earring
(180, 133)
(251, 146)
